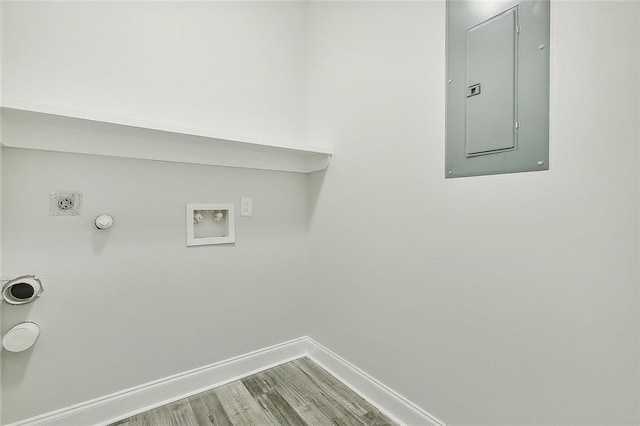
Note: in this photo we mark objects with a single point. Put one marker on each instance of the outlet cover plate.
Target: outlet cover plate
(65, 203)
(246, 206)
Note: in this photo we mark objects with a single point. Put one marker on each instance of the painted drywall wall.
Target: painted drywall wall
(506, 299)
(1, 271)
(133, 304)
(1, 151)
(232, 68)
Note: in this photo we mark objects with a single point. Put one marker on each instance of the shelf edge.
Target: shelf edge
(219, 150)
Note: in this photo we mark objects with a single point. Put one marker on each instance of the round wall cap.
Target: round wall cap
(21, 336)
(104, 221)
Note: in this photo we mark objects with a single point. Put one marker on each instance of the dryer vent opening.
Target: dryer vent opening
(21, 290)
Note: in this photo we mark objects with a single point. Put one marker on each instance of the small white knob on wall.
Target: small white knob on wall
(104, 221)
(21, 336)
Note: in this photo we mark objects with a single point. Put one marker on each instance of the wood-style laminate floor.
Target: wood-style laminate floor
(296, 393)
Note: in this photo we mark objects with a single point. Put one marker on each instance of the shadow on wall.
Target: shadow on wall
(316, 181)
(99, 240)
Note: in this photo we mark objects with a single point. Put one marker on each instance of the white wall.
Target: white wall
(1, 209)
(233, 68)
(1, 270)
(110, 315)
(506, 299)
(495, 300)
(133, 304)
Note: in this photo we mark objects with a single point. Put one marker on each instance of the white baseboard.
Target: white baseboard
(128, 402)
(389, 401)
(119, 405)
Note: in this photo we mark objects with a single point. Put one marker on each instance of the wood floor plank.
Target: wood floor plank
(279, 410)
(377, 418)
(347, 397)
(336, 388)
(324, 401)
(257, 385)
(160, 416)
(181, 414)
(240, 406)
(208, 410)
(298, 402)
(298, 393)
(136, 420)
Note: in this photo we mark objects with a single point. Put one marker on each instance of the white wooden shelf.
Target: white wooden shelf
(49, 128)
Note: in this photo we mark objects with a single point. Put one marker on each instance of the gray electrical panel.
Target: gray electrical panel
(497, 87)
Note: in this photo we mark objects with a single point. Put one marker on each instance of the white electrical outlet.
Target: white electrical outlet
(65, 203)
(246, 206)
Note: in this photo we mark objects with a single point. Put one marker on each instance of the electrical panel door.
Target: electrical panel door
(491, 89)
(497, 87)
